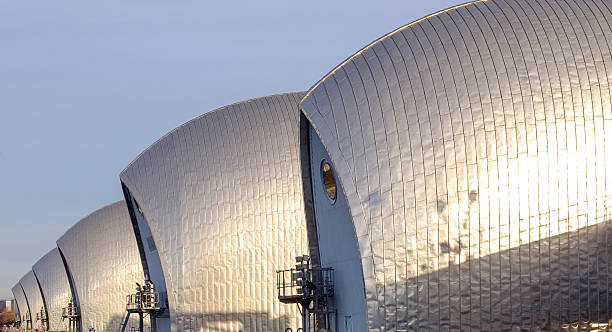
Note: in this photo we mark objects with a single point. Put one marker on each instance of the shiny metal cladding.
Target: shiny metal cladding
(34, 298)
(222, 195)
(473, 147)
(103, 258)
(22, 303)
(55, 288)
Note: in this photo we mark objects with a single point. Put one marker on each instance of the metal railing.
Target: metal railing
(143, 301)
(305, 283)
(312, 288)
(42, 316)
(71, 311)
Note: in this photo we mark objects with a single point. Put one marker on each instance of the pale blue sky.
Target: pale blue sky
(85, 86)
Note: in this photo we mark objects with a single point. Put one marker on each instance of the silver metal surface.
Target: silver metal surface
(473, 147)
(34, 298)
(223, 198)
(103, 258)
(55, 288)
(22, 303)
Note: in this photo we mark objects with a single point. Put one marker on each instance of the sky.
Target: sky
(85, 86)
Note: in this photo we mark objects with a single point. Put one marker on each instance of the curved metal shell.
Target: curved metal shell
(223, 198)
(34, 298)
(22, 303)
(103, 258)
(473, 147)
(55, 288)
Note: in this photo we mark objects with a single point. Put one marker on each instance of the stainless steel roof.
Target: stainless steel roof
(473, 149)
(34, 296)
(55, 288)
(103, 258)
(22, 302)
(223, 198)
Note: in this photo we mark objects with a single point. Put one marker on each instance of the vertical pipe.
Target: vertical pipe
(304, 324)
(153, 323)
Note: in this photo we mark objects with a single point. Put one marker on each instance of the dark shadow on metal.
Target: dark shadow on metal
(554, 284)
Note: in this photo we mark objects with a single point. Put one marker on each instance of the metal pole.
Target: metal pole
(306, 314)
(153, 323)
(141, 322)
(304, 319)
(127, 317)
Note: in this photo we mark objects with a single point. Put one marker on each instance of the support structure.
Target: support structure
(145, 301)
(17, 319)
(41, 318)
(312, 289)
(28, 319)
(71, 312)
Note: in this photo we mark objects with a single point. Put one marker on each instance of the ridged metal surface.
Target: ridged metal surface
(103, 258)
(22, 303)
(472, 146)
(223, 197)
(34, 296)
(55, 288)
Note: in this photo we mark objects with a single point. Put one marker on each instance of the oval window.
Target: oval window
(329, 183)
